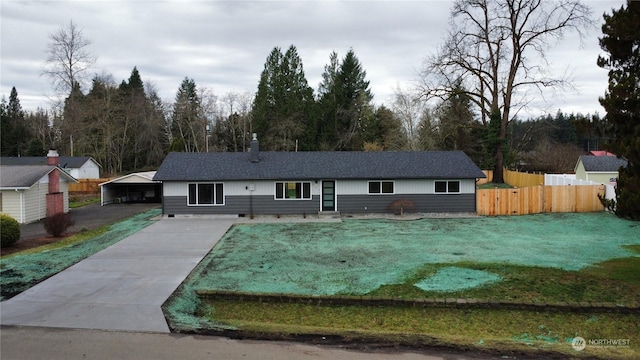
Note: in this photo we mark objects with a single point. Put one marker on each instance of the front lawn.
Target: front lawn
(548, 258)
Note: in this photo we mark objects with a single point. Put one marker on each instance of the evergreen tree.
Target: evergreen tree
(427, 131)
(5, 129)
(187, 122)
(69, 126)
(327, 130)
(384, 131)
(133, 109)
(621, 42)
(345, 102)
(35, 148)
(283, 114)
(456, 120)
(39, 128)
(15, 136)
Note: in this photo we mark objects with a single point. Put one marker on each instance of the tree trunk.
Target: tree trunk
(499, 165)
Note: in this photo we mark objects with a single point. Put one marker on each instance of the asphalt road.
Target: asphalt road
(89, 217)
(40, 343)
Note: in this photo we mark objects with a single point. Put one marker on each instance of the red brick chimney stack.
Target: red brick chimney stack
(54, 176)
(55, 199)
(53, 158)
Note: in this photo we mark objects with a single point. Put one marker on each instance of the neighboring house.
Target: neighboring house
(79, 167)
(315, 182)
(600, 169)
(25, 191)
(135, 187)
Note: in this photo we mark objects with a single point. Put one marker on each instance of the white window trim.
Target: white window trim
(447, 187)
(224, 196)
(275, 191)
(381, 181)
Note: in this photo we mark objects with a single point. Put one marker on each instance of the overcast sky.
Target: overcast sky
(223, 45)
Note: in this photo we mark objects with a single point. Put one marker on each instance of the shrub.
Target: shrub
(9, 230)
(57, 224)
(609, 204)
(399, 206)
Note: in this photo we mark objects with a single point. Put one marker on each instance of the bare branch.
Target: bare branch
(68, 59)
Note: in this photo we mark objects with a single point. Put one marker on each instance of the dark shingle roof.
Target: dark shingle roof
(66, 162)
(318, 165)
(602, 163)
(20, 176)
(25, 176)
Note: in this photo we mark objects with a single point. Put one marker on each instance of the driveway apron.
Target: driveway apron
(123, 286)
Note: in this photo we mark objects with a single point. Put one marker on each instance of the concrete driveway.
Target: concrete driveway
(123, 286)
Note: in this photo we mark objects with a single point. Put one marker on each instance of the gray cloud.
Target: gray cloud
(222, 45)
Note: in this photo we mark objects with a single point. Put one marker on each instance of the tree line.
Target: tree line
(467, 96)
(127, 127)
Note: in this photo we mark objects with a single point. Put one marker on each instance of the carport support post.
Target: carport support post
(251, 188)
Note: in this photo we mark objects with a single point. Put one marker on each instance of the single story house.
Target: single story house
(135, 187)
(24, 190)
(316, 182)
(79, 167)
(600, 169)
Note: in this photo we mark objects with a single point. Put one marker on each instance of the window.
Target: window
(381, 187)
(445, 187)
(293, 190)
(206, 194)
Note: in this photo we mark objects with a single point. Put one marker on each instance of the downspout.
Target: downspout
(39, 202)
(475, 197)
(252, 187)
(21, 206)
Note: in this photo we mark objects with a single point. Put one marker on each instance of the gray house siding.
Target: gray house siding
(424, 203)
(363, 182)
(260, 204)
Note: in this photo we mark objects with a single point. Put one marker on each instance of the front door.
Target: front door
(328, 195)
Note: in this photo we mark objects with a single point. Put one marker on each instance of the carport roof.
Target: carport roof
(318, 165)
(139, 177)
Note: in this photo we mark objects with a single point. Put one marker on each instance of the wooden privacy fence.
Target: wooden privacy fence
(520, 179)
(539, 199)
(515, 178)
(87, 186)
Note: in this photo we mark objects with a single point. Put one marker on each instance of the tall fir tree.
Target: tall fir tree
(15, 137)
(345, 101)
(187, 122)
(384, 131)
(283, 109)
(621, 42)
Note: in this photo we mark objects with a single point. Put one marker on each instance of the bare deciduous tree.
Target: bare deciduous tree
(497, 47)
(408, 107)
(66, 65)
(68, 58)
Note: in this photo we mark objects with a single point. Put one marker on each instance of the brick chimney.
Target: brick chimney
(54, 176)
(55, 199)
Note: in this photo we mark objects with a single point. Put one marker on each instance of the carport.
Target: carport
(135, 187)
